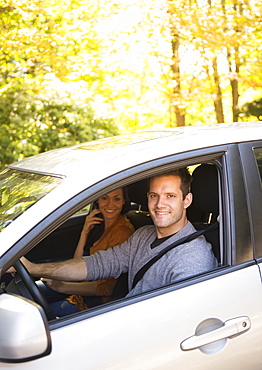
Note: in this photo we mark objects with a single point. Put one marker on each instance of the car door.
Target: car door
(209, 321)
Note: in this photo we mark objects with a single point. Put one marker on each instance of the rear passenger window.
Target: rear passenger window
(258, 155)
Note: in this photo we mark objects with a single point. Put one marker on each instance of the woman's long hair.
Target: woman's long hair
(98, 229)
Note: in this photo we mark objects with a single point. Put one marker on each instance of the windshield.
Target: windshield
(20, 190)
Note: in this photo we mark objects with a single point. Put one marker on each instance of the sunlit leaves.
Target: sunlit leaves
(226, 34)
(75, 70)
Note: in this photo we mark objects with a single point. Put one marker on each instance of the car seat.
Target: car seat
(139, 214)
(204, 209)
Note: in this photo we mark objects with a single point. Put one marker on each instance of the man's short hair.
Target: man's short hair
(184, 176)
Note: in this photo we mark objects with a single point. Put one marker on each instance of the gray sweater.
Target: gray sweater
(185, 260)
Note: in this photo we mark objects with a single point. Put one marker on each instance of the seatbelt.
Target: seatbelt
(183, 240)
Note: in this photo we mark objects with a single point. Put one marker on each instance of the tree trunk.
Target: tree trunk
(177, 98)
(234, 72)
(218, 104)
(234, 63)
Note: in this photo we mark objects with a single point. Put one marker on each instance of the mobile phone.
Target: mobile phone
(100, 215)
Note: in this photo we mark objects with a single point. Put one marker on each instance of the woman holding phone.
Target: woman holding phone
(105, 227)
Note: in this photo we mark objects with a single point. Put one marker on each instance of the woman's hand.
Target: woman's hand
(92, 220)
(54, 284)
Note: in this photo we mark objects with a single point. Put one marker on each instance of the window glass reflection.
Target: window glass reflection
(258, 154)
(20, 190)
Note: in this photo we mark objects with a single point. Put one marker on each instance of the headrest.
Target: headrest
(138, 192)
(205, 188)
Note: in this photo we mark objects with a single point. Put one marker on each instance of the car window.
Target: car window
(203, 212)
(258, 155)
(20, 190)
(85, 210)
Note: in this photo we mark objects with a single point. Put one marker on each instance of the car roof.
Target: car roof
(136, 148)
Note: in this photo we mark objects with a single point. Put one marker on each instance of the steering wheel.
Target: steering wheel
(33, 289)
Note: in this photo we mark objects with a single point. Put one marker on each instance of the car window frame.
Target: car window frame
(238, 221)
(253, 193)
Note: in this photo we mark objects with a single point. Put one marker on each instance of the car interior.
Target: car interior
(203, 212)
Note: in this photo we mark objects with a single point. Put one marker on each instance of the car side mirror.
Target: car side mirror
(24, 333)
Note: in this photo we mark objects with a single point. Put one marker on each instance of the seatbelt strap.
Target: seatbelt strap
(183, 240)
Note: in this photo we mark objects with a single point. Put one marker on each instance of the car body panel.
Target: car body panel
(148, 334)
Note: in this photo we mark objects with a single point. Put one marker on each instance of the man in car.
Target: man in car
(168, 198)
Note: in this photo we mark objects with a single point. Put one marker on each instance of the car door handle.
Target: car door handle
(229, 329)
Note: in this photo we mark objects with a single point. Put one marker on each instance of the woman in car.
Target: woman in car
(105, 227)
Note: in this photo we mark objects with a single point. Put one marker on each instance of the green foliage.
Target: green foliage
(40, 39)
(252, 109)
(62, 124)
(224, 38)
(18, 191)
(31, 126)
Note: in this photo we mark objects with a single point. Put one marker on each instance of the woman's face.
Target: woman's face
(111, 204)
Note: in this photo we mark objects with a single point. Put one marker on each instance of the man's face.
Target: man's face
(167, 206)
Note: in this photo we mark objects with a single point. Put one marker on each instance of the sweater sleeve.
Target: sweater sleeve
(111, 262)
(105, 287)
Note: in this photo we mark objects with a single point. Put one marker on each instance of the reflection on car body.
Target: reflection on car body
(201, 322)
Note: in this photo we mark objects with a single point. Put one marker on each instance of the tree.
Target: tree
(132, 65)
(39, 37)
(253, 108)
(38, 40)
(220, 30)
(30, 127)
(177, 94)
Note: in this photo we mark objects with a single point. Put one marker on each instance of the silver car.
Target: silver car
(208, 321)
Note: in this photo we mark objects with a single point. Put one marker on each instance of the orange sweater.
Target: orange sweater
(116, 234)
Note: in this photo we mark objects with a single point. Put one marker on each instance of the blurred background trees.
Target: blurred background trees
(77, 70)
